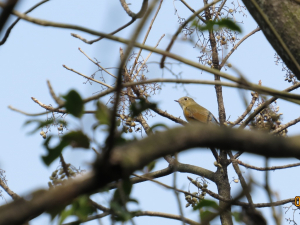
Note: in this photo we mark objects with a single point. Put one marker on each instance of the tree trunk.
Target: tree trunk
(284, 15)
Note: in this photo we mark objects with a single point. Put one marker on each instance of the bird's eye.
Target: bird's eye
(185, 98)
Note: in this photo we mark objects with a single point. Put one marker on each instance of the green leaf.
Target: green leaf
(53, 153)
(43, 123)
(140, 106)
(81, 207)
(206, 203)
(119, 140)
(133, 200)
(237, 216)
(64, 214)
(151, 166)
(76, 139)
(205, 214)
(158, 125)
(125, 191)
(102, 114)
(74, 103)
(120, 214)
(53, 212)
(218, 24)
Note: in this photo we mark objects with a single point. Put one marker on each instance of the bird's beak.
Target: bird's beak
(176, 100)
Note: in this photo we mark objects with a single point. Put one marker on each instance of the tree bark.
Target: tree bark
(284, 17)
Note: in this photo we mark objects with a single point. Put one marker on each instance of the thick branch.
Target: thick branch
(281, 33)
(124, 160)
(12, 194)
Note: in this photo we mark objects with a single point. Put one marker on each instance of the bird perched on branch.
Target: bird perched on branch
(193, 112)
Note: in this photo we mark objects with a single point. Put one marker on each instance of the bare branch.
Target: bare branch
(112, 33)
(236, 46)
(140, 14)
(17, 20)
(266, 168)
(128, 158)
(276, 216)
(12, 194)
(110, 139)
(221, 7)
(193, 11)
(99, 216)
(89, 78)
(167, 215)
(248, 85)
(166, 186)
(164, 113)
(145, 38)
(97, 64)
(142, 213)
(265, 104)
(244, 185)
(174, 37)
(134, 16)
(53, 95)
(248, 109)
(282, 127)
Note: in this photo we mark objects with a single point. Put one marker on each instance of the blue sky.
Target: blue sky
(34, 54)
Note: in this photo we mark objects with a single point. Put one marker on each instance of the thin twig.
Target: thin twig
(174, 37)
(12, 194)
(64, 165)
(129, 12)
(178, 199)
(254, 87)
(165, 185)
(145, 38)
(47, 107)
(236, 46)
(161, 112)
(112, 33)
(265, 104)
(89, 78)
(193, 11)
(269, 192)
(97, 64)
(248, 109)
(282, 127)
(95, 151)
(141, 213)
(110, 142)
(266, 168)
(220, 8)
(53, 95)
(146, 59)
(98, 216)
(242, 180)
(132, 14)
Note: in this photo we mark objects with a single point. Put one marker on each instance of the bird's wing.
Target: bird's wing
(196, 114)
(200, 114)
(212, 119)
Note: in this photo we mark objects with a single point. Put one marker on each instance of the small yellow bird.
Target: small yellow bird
(193, 112)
